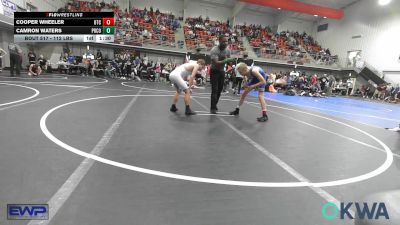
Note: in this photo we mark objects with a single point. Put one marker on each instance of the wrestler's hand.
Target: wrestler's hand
(228, 60)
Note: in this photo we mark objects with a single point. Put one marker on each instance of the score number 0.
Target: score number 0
(108, 21)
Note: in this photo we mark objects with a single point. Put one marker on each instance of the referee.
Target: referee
(219, 57)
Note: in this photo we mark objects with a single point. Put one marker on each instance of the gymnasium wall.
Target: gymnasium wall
(253, 17)
(379, 27)
(174, 6)
(42, 5)
(215, 12)
(392, 77)
(293, 24)
(46, 5)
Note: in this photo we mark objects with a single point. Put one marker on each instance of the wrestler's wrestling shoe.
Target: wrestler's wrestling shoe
(189, 112)
(173, 108)
(235, 112)
(263, 118)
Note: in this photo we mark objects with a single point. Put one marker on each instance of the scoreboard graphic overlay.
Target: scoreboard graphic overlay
(64, 27)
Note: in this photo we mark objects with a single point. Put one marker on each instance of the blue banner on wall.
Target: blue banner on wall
(8, 8)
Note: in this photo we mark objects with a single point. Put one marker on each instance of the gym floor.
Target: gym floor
(104, 152)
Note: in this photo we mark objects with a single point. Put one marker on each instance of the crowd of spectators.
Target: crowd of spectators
(384, 92)
(302, 84)
(124, 66)
(286, 45)
(89, 6)
(130, 67)
(267, 44)
(143, 26)
(203, 34)
(134, 26)
(295, 83)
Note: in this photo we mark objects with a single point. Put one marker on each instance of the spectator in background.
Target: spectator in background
(328, 52)
(88, 66)
(237, 77)
(109, 70)
(70, 59)
(364, 91)
(314, 80)
(15, 58)
(157, 71)
(128, 68)
(145, 33)
(331, 84)
(381, 91)
(34, 70)
(137, 61)
(2, 54)
(31, 57)
(229, 74)
(42, 63)
(349, 86)
(324, 83)
(99, 55)
(64, 57)
(145, 59)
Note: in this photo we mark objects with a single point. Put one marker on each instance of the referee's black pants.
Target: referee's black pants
(217, 78)
(238, 83)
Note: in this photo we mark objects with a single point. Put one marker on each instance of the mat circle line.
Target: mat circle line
(376, 172)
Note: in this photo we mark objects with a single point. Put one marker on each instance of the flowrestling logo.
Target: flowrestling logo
(363, 211)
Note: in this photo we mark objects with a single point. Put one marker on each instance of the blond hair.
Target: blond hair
(241, 66)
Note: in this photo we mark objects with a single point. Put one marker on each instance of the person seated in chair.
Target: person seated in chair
(109, 71)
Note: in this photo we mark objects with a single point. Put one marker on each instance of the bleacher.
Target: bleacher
(204, 34)
(85, 6)
(146, 27)
(137, 27)
(286, 46)
(269, 45)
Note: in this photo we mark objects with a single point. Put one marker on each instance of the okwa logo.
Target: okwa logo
(362, 211)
